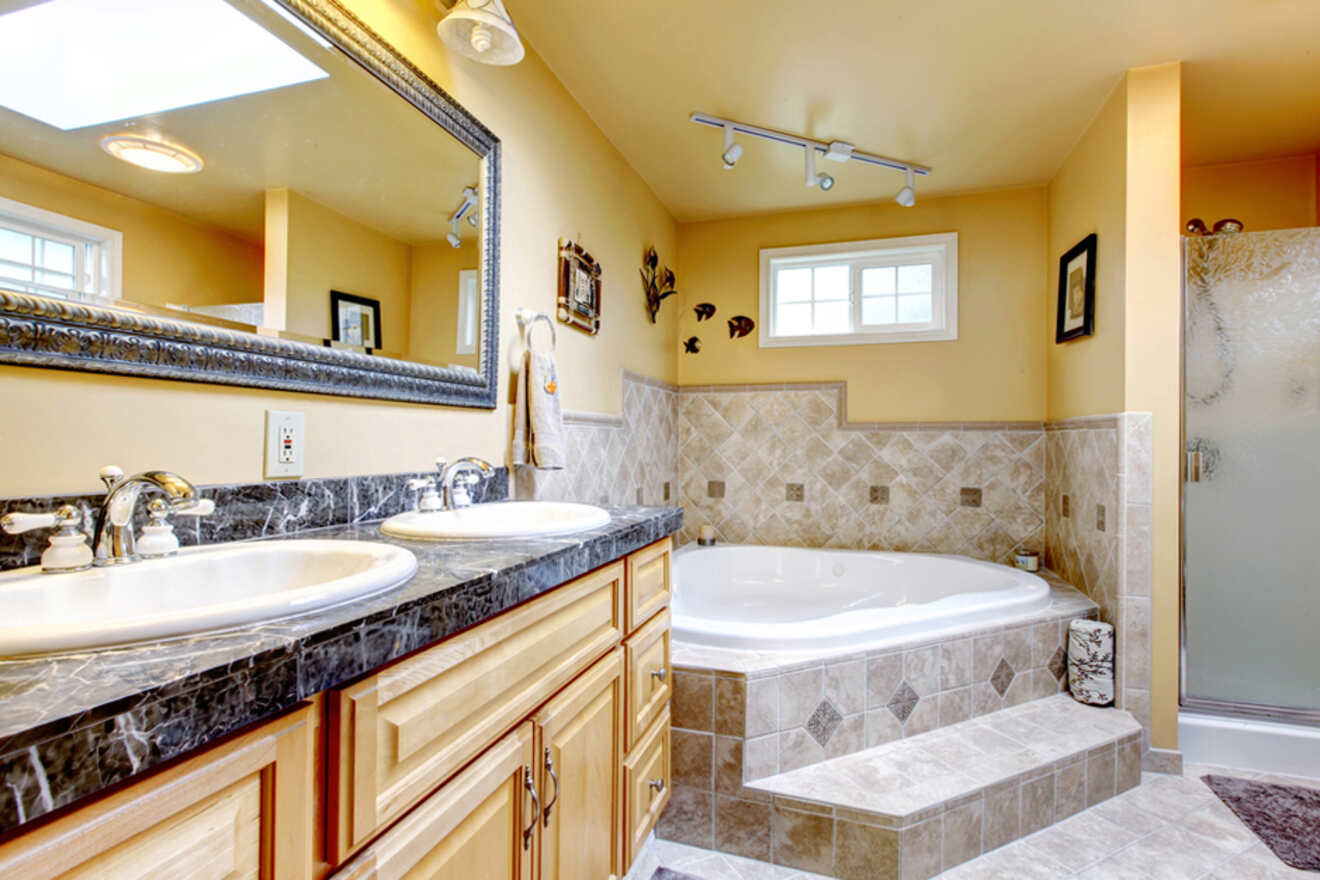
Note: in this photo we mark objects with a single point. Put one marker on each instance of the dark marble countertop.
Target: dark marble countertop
(73, 724)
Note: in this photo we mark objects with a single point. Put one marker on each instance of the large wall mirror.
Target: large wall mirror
(252, 192)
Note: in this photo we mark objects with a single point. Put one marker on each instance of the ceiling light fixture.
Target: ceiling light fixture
(839, 151)
(907, 196)
(732, 152)
(102, 62)
(824, 181)
(152, 153)
(481, 30)
(466, 208)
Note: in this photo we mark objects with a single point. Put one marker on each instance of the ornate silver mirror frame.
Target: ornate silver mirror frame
(40, 332)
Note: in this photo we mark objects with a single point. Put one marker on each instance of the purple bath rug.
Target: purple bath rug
(667, 874)
(1286, 817)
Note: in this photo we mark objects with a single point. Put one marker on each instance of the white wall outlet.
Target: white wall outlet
(285, 435)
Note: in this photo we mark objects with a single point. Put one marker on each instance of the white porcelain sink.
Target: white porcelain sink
(506, 519)
(201, 589)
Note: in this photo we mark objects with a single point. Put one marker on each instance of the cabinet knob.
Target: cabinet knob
(659, 673)
(657, 785)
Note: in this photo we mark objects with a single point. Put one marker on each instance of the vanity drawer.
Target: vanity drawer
(400, 733)
(646, 781)
(648, 582)
(240, 809)
(473, 827)
(649, 675)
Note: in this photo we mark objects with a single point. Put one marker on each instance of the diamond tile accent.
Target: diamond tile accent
(904, 701)
(1058, 664)
(879, 494)
(969, 496)
(1002, 677)
(714, 488)
(794, 492)
(823, 722)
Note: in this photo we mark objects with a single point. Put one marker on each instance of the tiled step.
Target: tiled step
(912, 808)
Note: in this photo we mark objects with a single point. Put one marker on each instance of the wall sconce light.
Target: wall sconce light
(481, 30)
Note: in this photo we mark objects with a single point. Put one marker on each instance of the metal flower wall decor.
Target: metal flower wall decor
(656, 282)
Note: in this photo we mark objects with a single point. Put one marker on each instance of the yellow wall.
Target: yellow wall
(1085, 376)
(994, 371)
(1153, 359)
(328, 251)
(433, 321)
(561, 178)
(1265, 194)
(167, 257)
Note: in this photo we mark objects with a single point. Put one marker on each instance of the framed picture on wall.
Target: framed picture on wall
(354, 320)
(579, 288)
(1076, 315)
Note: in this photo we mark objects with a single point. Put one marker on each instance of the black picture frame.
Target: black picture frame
(338, 298)
(1069, 324)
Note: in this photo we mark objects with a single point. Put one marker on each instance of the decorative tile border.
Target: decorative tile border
(796, 472)
(631, 458)
(250, 510)
(1098, 534)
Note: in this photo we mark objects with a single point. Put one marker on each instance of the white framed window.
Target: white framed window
(46, 253)
(858, 292)
(469, 311)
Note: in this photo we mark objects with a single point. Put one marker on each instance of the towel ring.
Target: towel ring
(527, 319)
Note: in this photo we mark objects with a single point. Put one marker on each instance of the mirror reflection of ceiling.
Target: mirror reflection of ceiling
(989, 94)
(345, 141)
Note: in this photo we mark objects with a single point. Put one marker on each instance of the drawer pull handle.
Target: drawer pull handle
(550, 768)
(536, 811)
(658, 785)
(659, 673)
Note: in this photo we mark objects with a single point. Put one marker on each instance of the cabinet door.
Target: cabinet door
(581, 753)
(648, 582)
(646, 782)
(481, 824)
(649, 674)
(239, 810)
(400, 733)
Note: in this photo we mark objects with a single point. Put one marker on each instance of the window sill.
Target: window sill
(942, 335)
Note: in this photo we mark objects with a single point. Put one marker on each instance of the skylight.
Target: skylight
(75, 63)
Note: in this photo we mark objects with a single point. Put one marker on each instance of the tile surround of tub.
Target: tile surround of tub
(628, 459)
(795, 472)
(1104, 462)
(734, 727)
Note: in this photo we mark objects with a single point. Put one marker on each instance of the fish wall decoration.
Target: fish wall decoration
(691, 345)
(740, 326)
(704, 311)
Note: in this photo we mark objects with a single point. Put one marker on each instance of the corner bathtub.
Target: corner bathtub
(794, 599)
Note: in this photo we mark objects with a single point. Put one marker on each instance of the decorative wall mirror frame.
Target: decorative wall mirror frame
(73, 335)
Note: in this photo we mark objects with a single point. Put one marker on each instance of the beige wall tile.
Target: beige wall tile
(730, 706)
(920, 850)
(692, 702)
(1037, 804)
(762, 706)
(1001, 818)
(803, 840)
(742, 828)
(865, 852)
(799, 695)
(1100, 775)
(845, 685)
(1069, 790)
(692, 758)
(883, 675)
(689, 817)
(962, 833)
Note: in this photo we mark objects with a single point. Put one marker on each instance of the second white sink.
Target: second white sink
(511, 519)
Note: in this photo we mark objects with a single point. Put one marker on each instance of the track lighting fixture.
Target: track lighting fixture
(907, 196)
(466, 208)
(822, 180)
(839, 151)
(455, 241)
(732, 152)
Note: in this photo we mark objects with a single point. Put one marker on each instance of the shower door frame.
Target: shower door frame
(1208, 705)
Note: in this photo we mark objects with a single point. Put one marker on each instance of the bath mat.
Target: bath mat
(1286, 817)
(667, 874)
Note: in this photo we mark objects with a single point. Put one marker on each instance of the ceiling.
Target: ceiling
(346, 142)
(989, 94)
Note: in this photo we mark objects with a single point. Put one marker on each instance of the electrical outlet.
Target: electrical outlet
(285, 435)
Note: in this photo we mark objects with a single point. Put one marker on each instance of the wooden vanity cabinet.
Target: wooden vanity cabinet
(241, 809)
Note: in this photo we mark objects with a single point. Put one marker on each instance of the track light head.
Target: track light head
(824, 181)
(454, 240)
(907, 196)
(472, 219)
(732, 152)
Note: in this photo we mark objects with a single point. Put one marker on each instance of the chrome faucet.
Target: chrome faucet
(455, 487)
(112, 541)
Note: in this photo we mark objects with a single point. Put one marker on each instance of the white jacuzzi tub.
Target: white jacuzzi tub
(793, 599)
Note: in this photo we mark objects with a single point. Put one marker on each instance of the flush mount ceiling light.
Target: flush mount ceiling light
(75, 63)
(839, 151)
(480, 30)
(152, 153)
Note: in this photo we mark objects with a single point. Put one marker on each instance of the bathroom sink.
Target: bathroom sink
(199, 590)
(506, 519)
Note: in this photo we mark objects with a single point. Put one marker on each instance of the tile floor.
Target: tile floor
(1167, 828)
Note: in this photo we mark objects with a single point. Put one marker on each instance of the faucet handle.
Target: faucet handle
(68, 550)
(441, 463)
(200, 507)
(17, 523)
(111, 474)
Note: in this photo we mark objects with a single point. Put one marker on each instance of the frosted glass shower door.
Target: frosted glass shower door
(1251, 523)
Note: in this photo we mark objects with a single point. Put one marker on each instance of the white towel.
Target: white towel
(1091, 662)
(538, 415)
